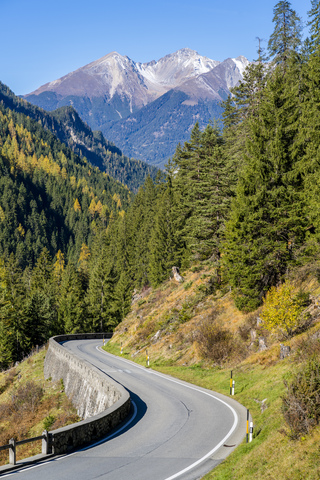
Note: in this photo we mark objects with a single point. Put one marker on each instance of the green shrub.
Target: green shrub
(48, 422)
(301, 405)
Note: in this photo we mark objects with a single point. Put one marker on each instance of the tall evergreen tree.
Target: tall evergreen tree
(308, 148)
(100, 295)
(203, 184)
(165, 240)
(314, 24)
(267, 221)
(286, 37)
(72, 307)
(13, 334)
(239, 109)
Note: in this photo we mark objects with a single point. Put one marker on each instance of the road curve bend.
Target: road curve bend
(176, 430)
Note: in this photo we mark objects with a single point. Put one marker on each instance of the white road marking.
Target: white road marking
(181, 472)
(235, 416)
(105, 439)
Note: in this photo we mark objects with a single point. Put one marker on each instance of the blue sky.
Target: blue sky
(44, 40)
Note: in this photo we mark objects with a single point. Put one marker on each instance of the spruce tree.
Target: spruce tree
(267, 220)
(72, 312)
(165, 239)
(308, 149)
(203, 190)
(239, 109)
(13, 334)
(100, 295)
(314, 23)
(286, 37)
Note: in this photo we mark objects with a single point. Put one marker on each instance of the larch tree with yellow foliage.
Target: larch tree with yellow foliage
(282, 311)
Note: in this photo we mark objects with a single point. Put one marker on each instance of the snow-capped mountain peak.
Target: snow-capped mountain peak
(145, 108)
(174, 69)
(140, 83)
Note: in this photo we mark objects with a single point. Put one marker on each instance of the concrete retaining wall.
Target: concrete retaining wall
(100, 401)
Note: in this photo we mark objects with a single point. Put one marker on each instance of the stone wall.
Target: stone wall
(100, 401)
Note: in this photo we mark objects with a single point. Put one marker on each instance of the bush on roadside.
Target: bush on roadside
(301, 405)
(26, 397)
(282, 311)
(218, 344)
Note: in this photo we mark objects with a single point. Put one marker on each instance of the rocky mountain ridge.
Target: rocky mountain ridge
(110, 92)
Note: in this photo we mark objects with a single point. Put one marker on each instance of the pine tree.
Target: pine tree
(238, 112)
(165, 240)
(142, 220)
(286, 37)
(100, 294)
(308, 149)
(267, 220)
(203, 187)
(72, 308)
(13, 334)
(314, 24)
(43, 295)
(123, 295)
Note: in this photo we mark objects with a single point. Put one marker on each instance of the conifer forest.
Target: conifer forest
(243, 195)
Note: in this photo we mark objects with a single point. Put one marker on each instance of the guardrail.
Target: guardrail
(12, 446)
(86, 431)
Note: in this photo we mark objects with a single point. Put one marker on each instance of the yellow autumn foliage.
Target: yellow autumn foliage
(282, 310)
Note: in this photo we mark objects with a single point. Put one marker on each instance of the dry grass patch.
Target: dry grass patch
(26, 401)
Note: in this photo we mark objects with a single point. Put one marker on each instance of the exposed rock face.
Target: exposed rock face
(142, 83)
(262, 344)
(284, 351)
(176, 275)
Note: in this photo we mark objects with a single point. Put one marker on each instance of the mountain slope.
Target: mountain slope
(68, 127)
(113, 94)
(155, 130)
(117, 75)
(198, 335)
(49, 197)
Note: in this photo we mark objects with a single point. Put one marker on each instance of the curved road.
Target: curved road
(176, 430)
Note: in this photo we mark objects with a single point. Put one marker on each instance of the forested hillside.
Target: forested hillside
(244, 199)
(49, 198)
(68, 127)
(52, 206)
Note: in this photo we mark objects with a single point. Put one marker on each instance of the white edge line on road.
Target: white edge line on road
(167, 377)
(135, 411)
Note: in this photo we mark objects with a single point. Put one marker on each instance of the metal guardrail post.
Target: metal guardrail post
(45, 442)
(12, 452)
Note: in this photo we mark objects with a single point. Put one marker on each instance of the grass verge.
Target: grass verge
(259, 386)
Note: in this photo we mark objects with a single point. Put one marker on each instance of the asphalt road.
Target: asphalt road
(176, 430)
